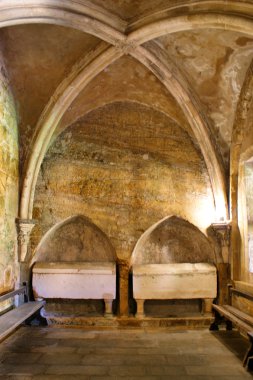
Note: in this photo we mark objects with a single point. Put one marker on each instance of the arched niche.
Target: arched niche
(76, 239)
(245, 215)
(173, 240)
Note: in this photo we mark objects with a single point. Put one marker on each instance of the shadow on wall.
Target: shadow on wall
(173, 240)
(76, 239)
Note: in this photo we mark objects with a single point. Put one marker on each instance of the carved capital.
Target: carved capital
(24, 228)
(222, 232)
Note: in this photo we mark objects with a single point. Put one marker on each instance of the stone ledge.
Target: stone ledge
(194, 322)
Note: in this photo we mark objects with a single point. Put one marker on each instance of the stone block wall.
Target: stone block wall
(125, 166)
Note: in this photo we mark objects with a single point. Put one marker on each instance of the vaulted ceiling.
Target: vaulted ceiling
(186, 59)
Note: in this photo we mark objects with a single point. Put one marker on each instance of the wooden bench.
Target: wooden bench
(10, 320)
(239, 319)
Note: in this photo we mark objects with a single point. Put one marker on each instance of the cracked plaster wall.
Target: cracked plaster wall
(216, 62)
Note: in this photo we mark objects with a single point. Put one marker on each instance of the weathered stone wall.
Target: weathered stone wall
(75, 239)
(125, 167)
(173, 240)
(246, 221)
(40, 52)
(8, 184)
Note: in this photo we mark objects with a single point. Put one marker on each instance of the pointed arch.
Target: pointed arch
(66, 92)
(86, 17)
(163, 68)
(161, 27)
(80, 76)
(244, 106)
(95, 20)
(79, 236)
(172, 240)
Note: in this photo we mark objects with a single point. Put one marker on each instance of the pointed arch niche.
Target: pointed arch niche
(76, 239)
(125, 170)
(173, 270)
(173, 240)
(245, 215)
(74, 269)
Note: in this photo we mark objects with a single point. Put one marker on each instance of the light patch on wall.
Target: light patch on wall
(249, 207)
(8, 185)
(128, 166)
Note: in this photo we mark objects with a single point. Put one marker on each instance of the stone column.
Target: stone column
(140, 308)
(123, 288)
(222, 232)
(24, 228)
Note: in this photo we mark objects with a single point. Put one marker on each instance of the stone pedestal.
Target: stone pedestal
(140, 308)
(207, 305)
(108, 307)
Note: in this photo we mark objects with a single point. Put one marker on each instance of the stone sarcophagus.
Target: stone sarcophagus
(174, 281)
(75, 280)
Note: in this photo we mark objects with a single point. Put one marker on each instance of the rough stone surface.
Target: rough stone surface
(172, 281)
(39, 51)
(127, 168)
(8, 184)
(76, 239)
(76, 281)
(125, 353)
(109, 87)
(174, 240)
(214, 75)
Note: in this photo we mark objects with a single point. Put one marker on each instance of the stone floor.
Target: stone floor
(65, 353)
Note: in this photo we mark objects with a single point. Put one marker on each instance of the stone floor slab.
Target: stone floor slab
(43, 353)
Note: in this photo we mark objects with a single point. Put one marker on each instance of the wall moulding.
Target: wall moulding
(222, 232)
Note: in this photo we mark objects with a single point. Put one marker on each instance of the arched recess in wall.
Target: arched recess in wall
(173, 240)
(240, 154)
(123, 42)
(55, 111)
(245, 215)
(125, 171)
(76, 239)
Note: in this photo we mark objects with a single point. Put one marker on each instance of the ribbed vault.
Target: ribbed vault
(135, 37)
